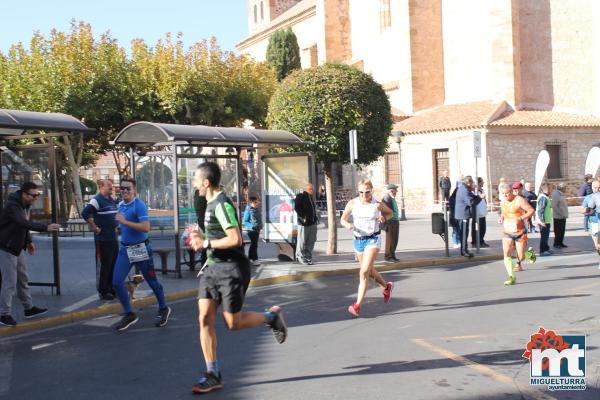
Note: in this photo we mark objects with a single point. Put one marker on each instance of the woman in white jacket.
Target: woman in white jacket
(482, 211)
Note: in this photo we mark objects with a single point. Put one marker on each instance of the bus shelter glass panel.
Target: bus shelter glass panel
(154, 185)
(186, 167)
(32, 163)
(285, 176)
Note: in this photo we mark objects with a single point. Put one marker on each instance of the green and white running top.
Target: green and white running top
(220, 216)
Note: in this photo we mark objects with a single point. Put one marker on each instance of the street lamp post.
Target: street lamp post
(398, 135)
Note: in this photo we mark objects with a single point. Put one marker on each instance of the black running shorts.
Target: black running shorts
(226, 282)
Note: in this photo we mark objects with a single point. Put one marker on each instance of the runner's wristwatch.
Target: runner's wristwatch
(206, 244)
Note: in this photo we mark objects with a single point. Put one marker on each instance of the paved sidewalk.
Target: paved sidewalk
(418, 247)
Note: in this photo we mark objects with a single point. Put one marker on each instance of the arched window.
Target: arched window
(262, 13)
(255, 16)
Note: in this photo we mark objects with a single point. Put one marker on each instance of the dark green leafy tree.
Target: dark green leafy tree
(283, 53)
(321, 105)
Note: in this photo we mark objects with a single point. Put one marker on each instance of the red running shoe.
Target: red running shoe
(518, 268)
(354, 309)
(387, 292)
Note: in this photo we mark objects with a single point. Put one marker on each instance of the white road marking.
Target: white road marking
(278, 285)
(44, 345)
(80, 303)
(104, 322)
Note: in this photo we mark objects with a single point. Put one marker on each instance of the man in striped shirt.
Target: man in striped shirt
(100, 216)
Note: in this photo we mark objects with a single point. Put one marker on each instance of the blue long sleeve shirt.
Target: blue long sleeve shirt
(102, 210)
(252, 219)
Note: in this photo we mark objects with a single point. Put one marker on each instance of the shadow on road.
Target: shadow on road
(506, 357)
(486, 303)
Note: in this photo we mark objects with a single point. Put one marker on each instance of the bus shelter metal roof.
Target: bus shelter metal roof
(150, 133)
(15, 122)
(13, 125)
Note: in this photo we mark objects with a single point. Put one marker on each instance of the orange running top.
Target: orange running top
(512, 213)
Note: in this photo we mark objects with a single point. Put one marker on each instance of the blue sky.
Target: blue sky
(127, 19)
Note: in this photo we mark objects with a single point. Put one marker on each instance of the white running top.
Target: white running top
(365, 217)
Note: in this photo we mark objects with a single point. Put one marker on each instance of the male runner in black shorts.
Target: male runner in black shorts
(225, 277)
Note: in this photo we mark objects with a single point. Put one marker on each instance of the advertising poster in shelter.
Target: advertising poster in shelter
(284, 176)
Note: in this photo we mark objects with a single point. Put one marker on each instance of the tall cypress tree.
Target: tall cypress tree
(283, 52)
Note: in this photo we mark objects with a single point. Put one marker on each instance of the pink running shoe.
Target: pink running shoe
(387, 292)
(354, 309)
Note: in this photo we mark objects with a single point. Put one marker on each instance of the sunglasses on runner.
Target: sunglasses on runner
(128, 188)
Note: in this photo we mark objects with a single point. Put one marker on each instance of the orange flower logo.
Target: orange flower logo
(543, 340)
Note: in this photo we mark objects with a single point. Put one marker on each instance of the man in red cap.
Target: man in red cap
(517, 188)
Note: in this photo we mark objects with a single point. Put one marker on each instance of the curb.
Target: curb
(107, 309)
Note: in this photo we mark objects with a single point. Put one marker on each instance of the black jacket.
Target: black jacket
(530, 196)
(15, 227)
(304, 205)
(585, 189)
(445, 184)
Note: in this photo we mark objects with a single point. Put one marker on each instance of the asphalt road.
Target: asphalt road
(448, 333)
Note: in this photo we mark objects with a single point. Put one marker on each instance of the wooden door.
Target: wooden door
(442, 163)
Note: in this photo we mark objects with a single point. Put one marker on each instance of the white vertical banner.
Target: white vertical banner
(592, 161)
(541, 165)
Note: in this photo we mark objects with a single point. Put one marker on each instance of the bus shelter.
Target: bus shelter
(163, 160)
(36, 162)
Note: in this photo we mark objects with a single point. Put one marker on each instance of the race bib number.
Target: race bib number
(137, 253)
(510, 226)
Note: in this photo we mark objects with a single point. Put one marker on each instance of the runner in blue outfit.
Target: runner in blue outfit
(135, 249)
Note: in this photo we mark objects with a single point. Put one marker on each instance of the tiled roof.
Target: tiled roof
(485, 113)
(399, 115)
(453, 117)
(531, 118)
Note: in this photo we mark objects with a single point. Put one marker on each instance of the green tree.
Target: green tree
(283, 53)
(88, 187)
(96, 81)
(321, 105)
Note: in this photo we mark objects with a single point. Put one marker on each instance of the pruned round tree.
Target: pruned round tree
(321, 105)
(283, 53)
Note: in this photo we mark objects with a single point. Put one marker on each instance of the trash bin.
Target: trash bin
(438, 223)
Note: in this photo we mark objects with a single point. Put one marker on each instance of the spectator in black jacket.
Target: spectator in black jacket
(584, 190)
(14, 238)
(306, 210)
(531, 198)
